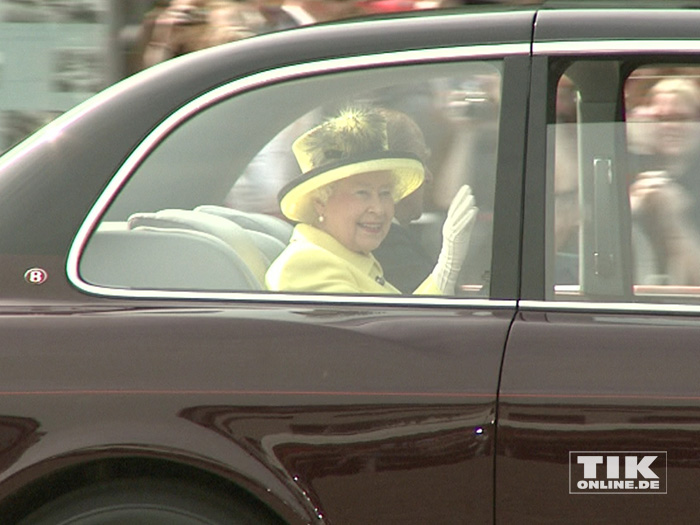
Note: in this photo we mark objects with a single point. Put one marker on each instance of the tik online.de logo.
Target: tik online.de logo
(606, 472)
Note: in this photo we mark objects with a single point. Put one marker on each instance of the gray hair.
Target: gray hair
(323, 193)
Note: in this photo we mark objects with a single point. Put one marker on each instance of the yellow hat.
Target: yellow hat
(352, 143)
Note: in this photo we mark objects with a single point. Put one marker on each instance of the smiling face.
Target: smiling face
(676, 120)
(675, 107)
(359, 210)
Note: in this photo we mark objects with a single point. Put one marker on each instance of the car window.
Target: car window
(201, 211)
(624, 173)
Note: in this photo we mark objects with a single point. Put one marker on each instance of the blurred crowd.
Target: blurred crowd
(664, 139)
(177, 27)
(662, 115)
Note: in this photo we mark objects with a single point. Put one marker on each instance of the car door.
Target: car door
(347, 408)
(599, 400)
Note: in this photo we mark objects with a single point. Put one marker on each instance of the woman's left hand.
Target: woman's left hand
(456, 232)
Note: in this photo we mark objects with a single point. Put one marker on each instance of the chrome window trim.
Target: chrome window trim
(601, 47)
(598, 307)
(258, 80)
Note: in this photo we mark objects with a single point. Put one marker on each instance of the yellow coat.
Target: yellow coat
(315, 261)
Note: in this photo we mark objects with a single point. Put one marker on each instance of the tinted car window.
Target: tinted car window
(201, 211)
(623, 169)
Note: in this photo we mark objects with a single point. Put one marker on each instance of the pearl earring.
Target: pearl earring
(321, 218)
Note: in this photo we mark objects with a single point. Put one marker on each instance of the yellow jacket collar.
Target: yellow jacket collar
(326, 241)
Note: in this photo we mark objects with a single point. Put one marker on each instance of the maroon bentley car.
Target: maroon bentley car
(149, 373)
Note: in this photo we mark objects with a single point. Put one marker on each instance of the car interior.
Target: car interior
(175, 224)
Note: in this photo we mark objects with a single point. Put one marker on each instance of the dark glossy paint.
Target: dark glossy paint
(326, 408)
(601, 383)
(591, 381)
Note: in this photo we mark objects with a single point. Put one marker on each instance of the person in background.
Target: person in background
(664, 201)
(231, 21)
(179, 28)
(404, 259)
(343, 204)
(184, 26)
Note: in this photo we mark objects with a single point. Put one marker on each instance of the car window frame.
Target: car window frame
(259, 80)
(646, 51)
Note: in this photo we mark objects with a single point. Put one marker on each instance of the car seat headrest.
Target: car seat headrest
(229, 232)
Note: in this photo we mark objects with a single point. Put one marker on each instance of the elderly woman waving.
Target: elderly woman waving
(344, 204)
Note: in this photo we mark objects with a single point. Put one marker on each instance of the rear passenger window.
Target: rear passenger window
(624, 167)
(372, 159)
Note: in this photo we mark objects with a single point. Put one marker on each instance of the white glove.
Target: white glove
(456, 232)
